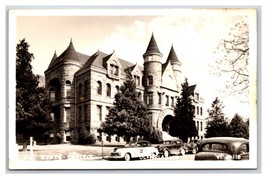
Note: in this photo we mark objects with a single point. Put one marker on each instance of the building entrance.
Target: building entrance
(166, 123)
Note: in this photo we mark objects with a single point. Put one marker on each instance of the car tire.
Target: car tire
(153, 156)
(127, 157)
(166, 153)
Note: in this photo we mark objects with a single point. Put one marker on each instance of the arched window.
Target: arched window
(68, 88)
(197, 125)
(197, 110)
(108, 89)
(201, 112)
(99, 87)
(85, 89)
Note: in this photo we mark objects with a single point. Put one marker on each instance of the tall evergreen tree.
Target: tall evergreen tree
(32, 103)
(238, 127)
(183, 125)
(217, 126)
(129, 116)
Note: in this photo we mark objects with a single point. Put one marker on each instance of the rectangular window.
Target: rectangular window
(172, 101)
(99, 112)
(116, 70)
(80, 114)
(67, 113)
(167, 100)
(52, 115)
(68, 91)
(138, 80)
(201, 126)
(159, 95)
(150, 98)
(52, 95)
(85, 113)
(150, 80)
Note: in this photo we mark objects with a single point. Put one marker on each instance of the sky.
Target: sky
(194, 34)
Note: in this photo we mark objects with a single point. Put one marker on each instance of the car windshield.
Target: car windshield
(214, 147)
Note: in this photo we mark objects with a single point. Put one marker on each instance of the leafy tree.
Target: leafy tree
(232, 56)
(84, 137)
(32, 102)
(217, 126)
(129, 116)
(183, 125)
(238, 127)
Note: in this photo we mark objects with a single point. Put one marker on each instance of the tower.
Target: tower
(152, 78)
(176, 66)
(59, 83)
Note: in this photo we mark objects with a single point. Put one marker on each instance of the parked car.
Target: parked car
(223, 148)
(137, 149)
(171, 147)
(192, 146)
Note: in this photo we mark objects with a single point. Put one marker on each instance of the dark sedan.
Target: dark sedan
(223, 148)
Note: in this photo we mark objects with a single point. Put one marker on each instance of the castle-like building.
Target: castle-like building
(83, 87)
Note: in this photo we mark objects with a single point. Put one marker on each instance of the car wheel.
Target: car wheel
(153, 156)
(194, 151)
(127, 157)
(182, 152)
(166, 153)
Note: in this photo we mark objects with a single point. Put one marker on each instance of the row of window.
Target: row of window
(169, 99)
(199, 126)
(198, 110)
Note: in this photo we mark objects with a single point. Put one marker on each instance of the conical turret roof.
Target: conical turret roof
(172, 57)
(152, 47)
(68, 54)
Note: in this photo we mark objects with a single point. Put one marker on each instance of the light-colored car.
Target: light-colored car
(137, 149)
(223, 148)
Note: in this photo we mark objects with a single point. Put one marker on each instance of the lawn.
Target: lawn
(64, 152)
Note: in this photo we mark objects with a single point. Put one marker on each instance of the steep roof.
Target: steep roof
(192, 89)
(99, 60)
(152, 47)
(68, 55)
(172, 56)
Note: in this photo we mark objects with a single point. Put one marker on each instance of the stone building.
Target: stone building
(82, 89)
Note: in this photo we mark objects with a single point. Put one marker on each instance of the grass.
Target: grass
(65, 152)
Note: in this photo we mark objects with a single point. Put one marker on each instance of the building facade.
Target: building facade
(83, 87)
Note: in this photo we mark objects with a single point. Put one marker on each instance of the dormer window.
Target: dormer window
(113, 69)
(137, 80)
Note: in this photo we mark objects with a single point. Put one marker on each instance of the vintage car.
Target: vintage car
(223, 148)
(137, 149)
(171, 147)
(192, 146)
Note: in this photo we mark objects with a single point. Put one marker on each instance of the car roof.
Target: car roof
(224, 139)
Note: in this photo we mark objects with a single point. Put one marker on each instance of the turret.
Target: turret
(152, 64)
(176, 66)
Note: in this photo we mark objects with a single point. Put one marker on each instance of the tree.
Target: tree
(232, 56)
(217, 126)
(129, 116)
(238, 127)
(32, 102)
(183, 125)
